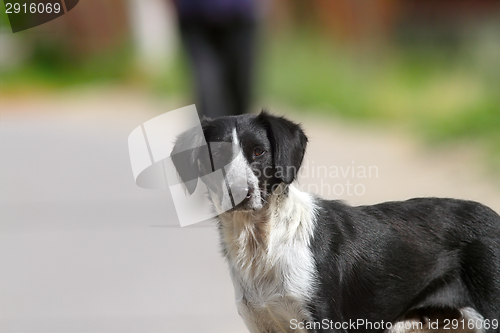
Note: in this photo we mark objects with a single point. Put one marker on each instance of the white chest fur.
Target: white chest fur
(271, 262)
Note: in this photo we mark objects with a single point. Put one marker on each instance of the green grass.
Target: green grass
(116, 68)
(440, 92)
(306, 72)
(52, 66)
(51, 70)
(443, 93)
(175, 80)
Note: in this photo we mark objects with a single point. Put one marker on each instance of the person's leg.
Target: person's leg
(208, 70)
(239, 57)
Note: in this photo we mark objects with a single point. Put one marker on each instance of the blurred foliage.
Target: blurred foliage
(445, 90)
(4, 20)
(49, 67)
(60, 57)
(174, 80)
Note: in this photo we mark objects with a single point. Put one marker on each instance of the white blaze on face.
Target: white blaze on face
(240, 179)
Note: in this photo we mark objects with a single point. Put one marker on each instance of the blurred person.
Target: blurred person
(219, 37)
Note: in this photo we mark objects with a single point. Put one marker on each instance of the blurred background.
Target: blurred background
(411, 87)
(431, 64)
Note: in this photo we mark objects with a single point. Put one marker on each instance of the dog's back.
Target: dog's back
(398, 257)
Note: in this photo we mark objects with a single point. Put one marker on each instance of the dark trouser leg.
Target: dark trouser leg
(238, 56)
(208, 70)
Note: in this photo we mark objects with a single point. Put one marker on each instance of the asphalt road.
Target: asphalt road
(83, 249)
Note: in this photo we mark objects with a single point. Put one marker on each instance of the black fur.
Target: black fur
(288, 143)
(380, 262)
(383, 261)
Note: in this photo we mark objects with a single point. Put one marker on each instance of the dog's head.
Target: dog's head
(244, 159)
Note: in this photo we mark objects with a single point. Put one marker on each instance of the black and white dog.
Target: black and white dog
(303, 264)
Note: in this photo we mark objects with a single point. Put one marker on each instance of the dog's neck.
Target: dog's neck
(253, 241)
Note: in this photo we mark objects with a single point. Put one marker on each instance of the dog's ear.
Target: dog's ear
(185, 156)
(288, 143)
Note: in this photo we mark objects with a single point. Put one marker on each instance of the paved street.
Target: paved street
(83, 249)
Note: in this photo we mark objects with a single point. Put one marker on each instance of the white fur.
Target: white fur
(271, 264)
(475, 318)
(238, 175)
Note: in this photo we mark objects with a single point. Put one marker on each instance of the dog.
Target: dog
(303, 264)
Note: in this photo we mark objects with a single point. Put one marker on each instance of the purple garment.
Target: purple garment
(216, 11)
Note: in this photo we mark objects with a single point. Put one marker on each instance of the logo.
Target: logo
(150, 149)
(28, 14)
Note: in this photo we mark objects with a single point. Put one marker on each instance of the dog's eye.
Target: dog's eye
(258, 151)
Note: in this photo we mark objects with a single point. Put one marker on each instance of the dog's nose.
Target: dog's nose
(240, 193)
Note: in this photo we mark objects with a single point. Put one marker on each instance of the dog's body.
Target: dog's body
(303, 264)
